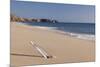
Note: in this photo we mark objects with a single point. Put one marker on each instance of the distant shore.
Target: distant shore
(15, 18)
(66, 49)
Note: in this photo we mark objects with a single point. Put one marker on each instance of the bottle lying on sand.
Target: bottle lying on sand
(41, 50)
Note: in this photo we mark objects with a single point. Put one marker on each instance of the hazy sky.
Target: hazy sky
(60, 12)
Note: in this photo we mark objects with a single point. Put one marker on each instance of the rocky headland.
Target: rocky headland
(14, 18)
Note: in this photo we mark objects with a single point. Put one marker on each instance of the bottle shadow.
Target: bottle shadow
(17, 54)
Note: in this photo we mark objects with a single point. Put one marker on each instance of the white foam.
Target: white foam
(83, 36)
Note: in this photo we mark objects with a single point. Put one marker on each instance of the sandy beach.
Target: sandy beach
(63, 48)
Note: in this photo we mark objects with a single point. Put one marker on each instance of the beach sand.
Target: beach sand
(63, 48)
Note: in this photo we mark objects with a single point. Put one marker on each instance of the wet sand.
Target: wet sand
(63, 48)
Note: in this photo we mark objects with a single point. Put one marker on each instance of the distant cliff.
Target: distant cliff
(14, 18)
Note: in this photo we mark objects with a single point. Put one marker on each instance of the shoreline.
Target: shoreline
(66, 49)
(71, 34)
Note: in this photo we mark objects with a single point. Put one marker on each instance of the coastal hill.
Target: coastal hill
(14, 18)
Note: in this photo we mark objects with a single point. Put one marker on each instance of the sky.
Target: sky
(60, 12)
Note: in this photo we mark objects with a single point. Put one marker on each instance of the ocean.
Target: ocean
(79, 30)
